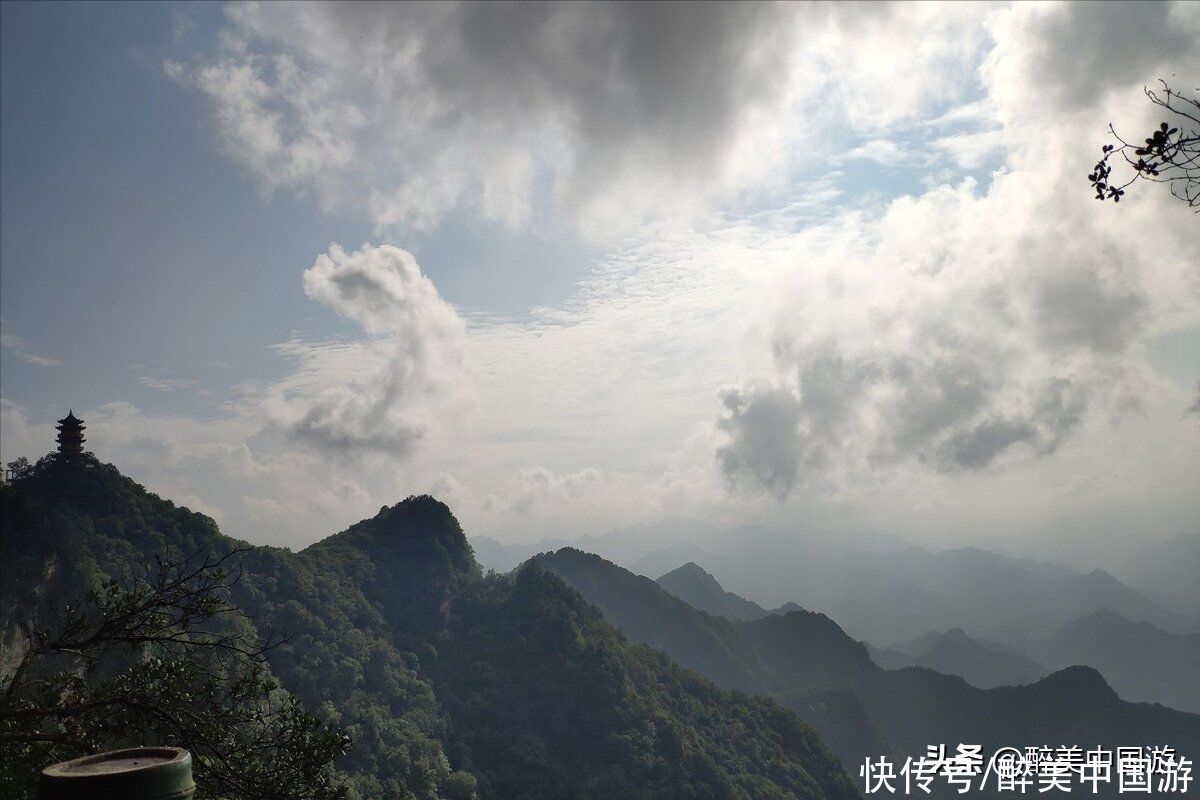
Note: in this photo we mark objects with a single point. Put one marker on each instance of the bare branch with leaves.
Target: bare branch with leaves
(1170, 154)
(164, 660)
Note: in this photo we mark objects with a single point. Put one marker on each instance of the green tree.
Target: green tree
(459, 786)
(164, 660)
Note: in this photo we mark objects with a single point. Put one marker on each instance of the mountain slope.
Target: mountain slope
(649, 615)
(881, 591)
(980, 662)
(691, 584)
(1168, 568)
(1141, 661)
(431, 666)
(540, 688)
(805, 652)
(714, 647)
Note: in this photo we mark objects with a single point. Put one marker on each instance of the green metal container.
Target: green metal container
(139, 773)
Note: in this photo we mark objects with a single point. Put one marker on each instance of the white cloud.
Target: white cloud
(19, 436)
(964, 330)
(971, 150)
(968, 358)
(380, 394)
(884, 152)
(14, 344)
(615, 113)
(164, 384)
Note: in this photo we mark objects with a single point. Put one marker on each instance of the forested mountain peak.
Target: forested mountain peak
(416, 518)
(1077, 684)
(418, 532)
(697, 587)
(449, 682)
(692, 571)
(1141, 660)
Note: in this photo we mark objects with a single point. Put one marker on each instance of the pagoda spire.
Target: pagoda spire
(70, 439)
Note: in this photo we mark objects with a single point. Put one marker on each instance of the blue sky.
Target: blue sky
(123, 219)
(577, 266)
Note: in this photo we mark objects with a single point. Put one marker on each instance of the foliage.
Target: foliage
(1170, 154)
(451, 684)
(829, 679)
(151, 662)
(650, 615)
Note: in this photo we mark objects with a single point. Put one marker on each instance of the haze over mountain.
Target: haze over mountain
(515, 682)
(1168, 571)
(1140, 661)
(795, 654)
(691, 584)
(981, 663)
(877, 588)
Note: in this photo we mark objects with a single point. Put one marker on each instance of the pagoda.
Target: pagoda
(70, 439)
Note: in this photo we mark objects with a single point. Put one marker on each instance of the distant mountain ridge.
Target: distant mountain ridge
(1169, 569)
(1141, 661)
(442, 675)
(691, 584)
(801, 654)
(878, 588)
(980, 662)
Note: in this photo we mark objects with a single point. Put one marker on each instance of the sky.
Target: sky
(575, 267)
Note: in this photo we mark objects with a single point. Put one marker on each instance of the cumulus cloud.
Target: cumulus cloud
(766, 445)
(965, 329)
(899, 360)
(614, 112)
(538, 486)
(378, 394)
(21, 436)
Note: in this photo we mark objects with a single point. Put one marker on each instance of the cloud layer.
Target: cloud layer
(379, 394)
(615, 113)
(965, 329)
(854, 293)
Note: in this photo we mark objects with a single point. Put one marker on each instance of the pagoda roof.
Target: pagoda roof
(70, 417)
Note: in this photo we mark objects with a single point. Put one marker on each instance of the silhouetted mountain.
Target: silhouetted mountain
(904, 594)
(668, 558)
(506, 557)
(650, 615)
(1169, 570)
(982, 663)
(808, 650)
(1141, 662)
(691, 584)
(430, 665)
(879, 590)
(625, 546)
(713, 646)
(803, 652)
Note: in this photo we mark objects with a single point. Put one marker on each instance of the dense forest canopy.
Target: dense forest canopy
(449, 683)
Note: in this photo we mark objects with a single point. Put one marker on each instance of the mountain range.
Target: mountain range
(433, 668)
(797, 655)
(1168, 571)
(980, 662)
(1141, 661)
(878, 588)
(570, 676)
